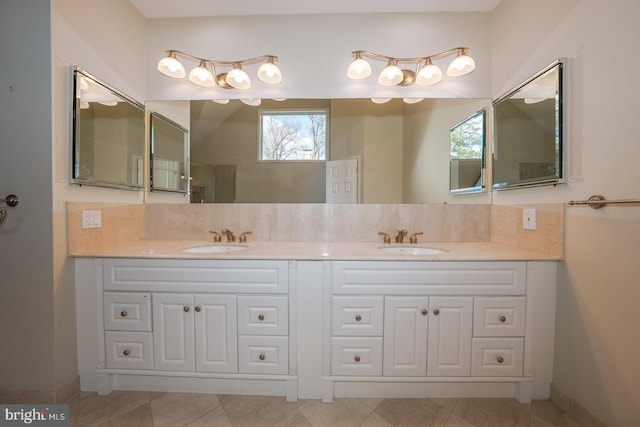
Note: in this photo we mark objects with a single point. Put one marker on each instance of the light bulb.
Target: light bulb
(429, 75)
(391, 75)
(461, 65)
(201, 76)
(170, 66)
(269, 73)
(359, 69)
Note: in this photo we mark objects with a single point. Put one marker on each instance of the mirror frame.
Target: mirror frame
(476, 188)
(560, 105)
(185, 172)
(76, 161)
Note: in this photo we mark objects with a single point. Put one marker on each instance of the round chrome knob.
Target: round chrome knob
(357, 359)
(261, 317)
(425, 311)
(126, 352)
(436, 312)
(503, 319)
(123, 313)
(198, 309)
(500, 359)
(261, 357)
(185, 309)
(358, 318)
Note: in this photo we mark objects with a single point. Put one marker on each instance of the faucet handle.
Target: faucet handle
(400, 236)
(386, 238)
(414, 237)
(216, 237)
(243, 236)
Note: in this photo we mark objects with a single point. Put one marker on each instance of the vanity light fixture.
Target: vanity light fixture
(426, 72)
(204, 74)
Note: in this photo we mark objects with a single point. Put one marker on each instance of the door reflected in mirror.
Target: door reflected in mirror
(466, 157)
(108, 135)
(169, 155)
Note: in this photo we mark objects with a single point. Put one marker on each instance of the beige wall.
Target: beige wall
(597, 349)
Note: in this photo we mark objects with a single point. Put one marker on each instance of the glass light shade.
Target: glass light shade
(412, 100)
(221, 101)
(429, 75)
(254, 102)
(460, 66)
(391, 75)
(269, 73)
(380, 100)
(170, 66)
(359, 69)
(201, 76)
(238, 79)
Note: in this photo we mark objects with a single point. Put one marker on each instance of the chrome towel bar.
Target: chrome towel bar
(597, 201)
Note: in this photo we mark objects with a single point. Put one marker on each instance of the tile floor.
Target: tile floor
(149, 409)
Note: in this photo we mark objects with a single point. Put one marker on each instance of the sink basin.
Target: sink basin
(212, 249)
(411, 250)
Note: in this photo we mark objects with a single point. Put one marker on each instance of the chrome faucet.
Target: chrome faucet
(216, 237)
(243, 236)
(414, 237)
(229, 234)
(401, 234)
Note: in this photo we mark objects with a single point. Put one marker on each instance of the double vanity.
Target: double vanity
(316, 320)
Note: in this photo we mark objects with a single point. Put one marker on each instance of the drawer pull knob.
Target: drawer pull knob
(358, 318)
(185, 309)
(503, 319)
(198, 309)
(123, 313)
(500, 359)
(261, 317)
(261, 357)
(425, 311)
(357, 359)
(126, 352)
(436, 312)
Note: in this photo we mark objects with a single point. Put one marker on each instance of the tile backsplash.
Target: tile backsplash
(320, 222)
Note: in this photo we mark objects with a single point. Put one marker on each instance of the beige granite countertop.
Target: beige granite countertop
(174, 249)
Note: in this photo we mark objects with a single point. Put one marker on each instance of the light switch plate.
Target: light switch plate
(529, 219)
(91, 219)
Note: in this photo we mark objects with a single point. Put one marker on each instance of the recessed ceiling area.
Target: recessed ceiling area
(193, 8)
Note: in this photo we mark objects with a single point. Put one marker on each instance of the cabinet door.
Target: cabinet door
(216, 333)
(405, 336)
(450, 336)
(173, 336)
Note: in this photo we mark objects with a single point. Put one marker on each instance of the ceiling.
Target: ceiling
(192, 8)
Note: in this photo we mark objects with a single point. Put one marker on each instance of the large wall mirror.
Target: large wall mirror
(467, 148)
(528, 132)
(169, 163)
(398, 152)
(108, 135)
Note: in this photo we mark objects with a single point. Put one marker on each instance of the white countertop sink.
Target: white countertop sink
(212, 249)
(412, 250)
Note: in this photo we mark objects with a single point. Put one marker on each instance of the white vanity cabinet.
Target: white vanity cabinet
(439, 328)
(188, 325)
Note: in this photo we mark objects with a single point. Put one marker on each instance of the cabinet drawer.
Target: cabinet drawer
(357, 316)
(263, 315)
(497, 357)
(127, 311)
(356, 356)
(129, 350)
(499, 317)
(263, 355)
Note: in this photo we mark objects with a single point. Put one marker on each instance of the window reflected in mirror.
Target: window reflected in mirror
(108, 135)
(466, 156)
(169, 155)
(528, 132)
